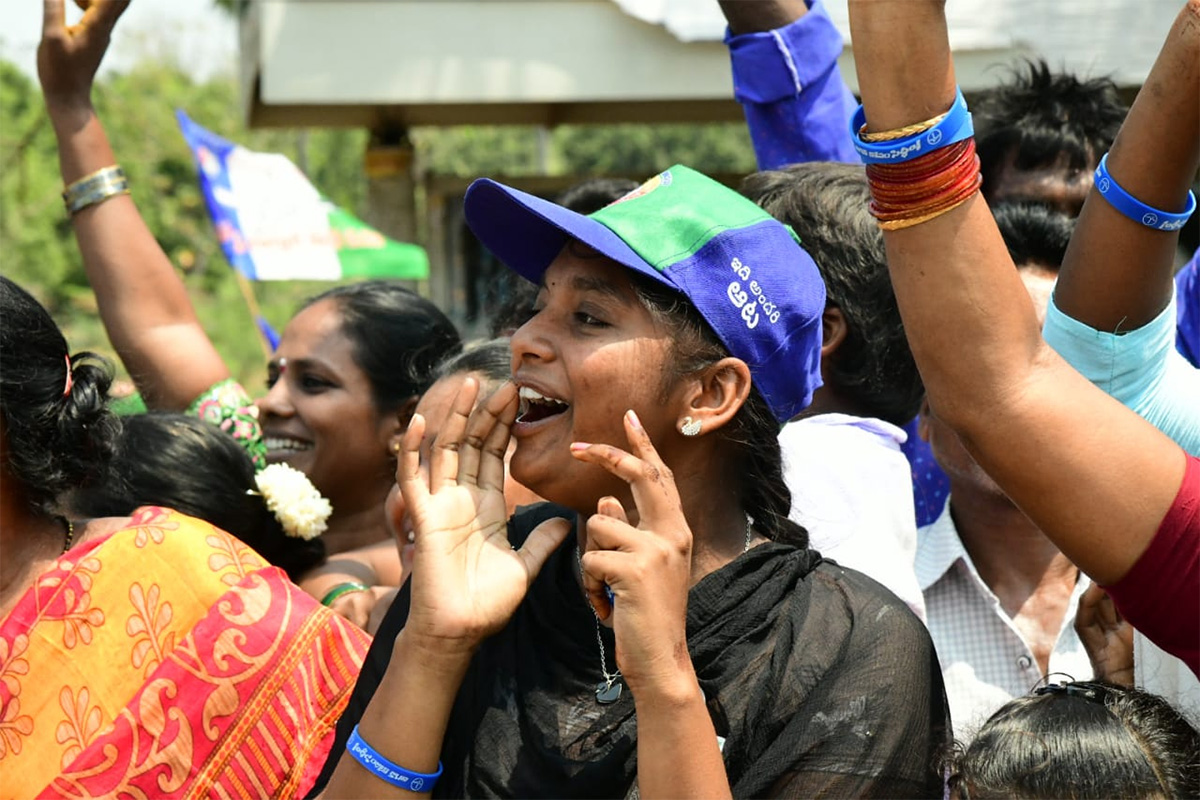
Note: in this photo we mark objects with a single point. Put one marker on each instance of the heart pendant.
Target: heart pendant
(607, 693)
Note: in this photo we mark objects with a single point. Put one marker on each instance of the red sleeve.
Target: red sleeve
(1160, 595)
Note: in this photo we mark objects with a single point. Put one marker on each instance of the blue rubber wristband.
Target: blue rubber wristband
(385, 770)
(1135, 209)
(955, 127)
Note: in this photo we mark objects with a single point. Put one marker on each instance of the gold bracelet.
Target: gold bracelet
(95, 188)
(901, 224)
(900, 133)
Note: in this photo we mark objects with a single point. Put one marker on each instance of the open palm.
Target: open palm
(467, 579)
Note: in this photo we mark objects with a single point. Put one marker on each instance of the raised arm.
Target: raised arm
(785, 74)
(467, 583)
(1096, 478)
(143, 303)
(1111, 317)
(1118, 274)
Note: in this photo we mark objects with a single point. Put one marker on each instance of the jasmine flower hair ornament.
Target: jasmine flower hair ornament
(294, 501)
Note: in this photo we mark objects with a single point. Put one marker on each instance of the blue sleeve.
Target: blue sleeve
(1187, 322)
(796, 104)
(1140, 368)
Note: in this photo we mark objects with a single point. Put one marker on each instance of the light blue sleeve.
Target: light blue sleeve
(1141, 368)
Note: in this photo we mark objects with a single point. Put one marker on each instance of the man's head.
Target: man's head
(1041, 135)
(866, 362)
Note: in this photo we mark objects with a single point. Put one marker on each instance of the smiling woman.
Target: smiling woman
(684, 641)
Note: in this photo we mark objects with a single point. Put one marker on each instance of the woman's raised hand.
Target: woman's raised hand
(467, 580)
(69, 55)
(647, 567)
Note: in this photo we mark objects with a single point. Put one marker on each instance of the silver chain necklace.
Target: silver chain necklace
(609, 690)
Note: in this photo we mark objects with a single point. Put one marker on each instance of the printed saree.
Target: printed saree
(169, 660)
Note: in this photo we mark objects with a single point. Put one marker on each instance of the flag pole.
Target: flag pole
(248, 295)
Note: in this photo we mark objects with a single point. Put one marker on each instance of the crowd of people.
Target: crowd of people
(875, 477)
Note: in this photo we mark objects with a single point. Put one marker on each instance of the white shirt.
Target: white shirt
(851, 488)
(985, 660)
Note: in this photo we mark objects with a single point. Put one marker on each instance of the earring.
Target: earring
(690, 427)
(395, 447)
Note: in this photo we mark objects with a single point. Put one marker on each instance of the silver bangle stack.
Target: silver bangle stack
(95, 188)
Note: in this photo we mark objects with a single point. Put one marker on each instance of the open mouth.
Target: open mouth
(535, 406)
(284, 446)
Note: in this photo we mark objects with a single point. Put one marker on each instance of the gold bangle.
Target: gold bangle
(95, 188)
(900, 133)
(901, 224)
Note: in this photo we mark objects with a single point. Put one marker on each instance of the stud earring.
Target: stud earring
(690, 427)
(395, 447)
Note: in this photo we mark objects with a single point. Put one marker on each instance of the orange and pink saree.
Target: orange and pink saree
(169, 660)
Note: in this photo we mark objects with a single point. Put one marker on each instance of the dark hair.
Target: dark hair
(1034, 233)
(57, 440)
(518, 294)
(826, 205)
(491, 358)
(1039, 115)
(1082, 740)
(399, 337)
(179, 461)
(590, 195)
(753, 434)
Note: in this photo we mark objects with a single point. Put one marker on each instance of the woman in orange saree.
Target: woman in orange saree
(151, 657)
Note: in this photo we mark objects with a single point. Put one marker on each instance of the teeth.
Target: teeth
(533, 396)
(275, 445)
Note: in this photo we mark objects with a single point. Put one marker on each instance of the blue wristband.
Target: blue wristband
(1135, 209)
(955, 127)
(385, 770)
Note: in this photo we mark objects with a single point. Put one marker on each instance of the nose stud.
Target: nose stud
(690, 427)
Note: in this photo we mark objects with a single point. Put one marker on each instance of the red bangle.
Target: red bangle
(911, 192)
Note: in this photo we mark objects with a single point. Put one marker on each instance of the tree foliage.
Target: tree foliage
(38, 251)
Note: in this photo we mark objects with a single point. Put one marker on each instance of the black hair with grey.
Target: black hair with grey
(826, 205)
(491, 359)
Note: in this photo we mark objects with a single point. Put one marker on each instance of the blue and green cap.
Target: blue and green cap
(743, 270)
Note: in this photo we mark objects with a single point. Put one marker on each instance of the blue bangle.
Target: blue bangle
(955, 127)
(385, 770)
(1135, 209)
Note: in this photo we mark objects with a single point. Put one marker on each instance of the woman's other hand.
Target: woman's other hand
(467, 579)
(647, 566)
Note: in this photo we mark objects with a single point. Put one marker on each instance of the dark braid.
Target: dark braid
(753, 434)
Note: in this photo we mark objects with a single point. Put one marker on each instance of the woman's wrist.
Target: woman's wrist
(665, 689)
(440, 654)
(69, 113)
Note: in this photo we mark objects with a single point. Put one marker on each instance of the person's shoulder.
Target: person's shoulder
(870, 608)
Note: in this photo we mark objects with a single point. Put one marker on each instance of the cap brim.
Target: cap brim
(527, 232)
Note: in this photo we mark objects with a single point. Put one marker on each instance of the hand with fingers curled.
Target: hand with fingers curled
(467, 579)
(646, 566)
(1106, 636)
(69, 55)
